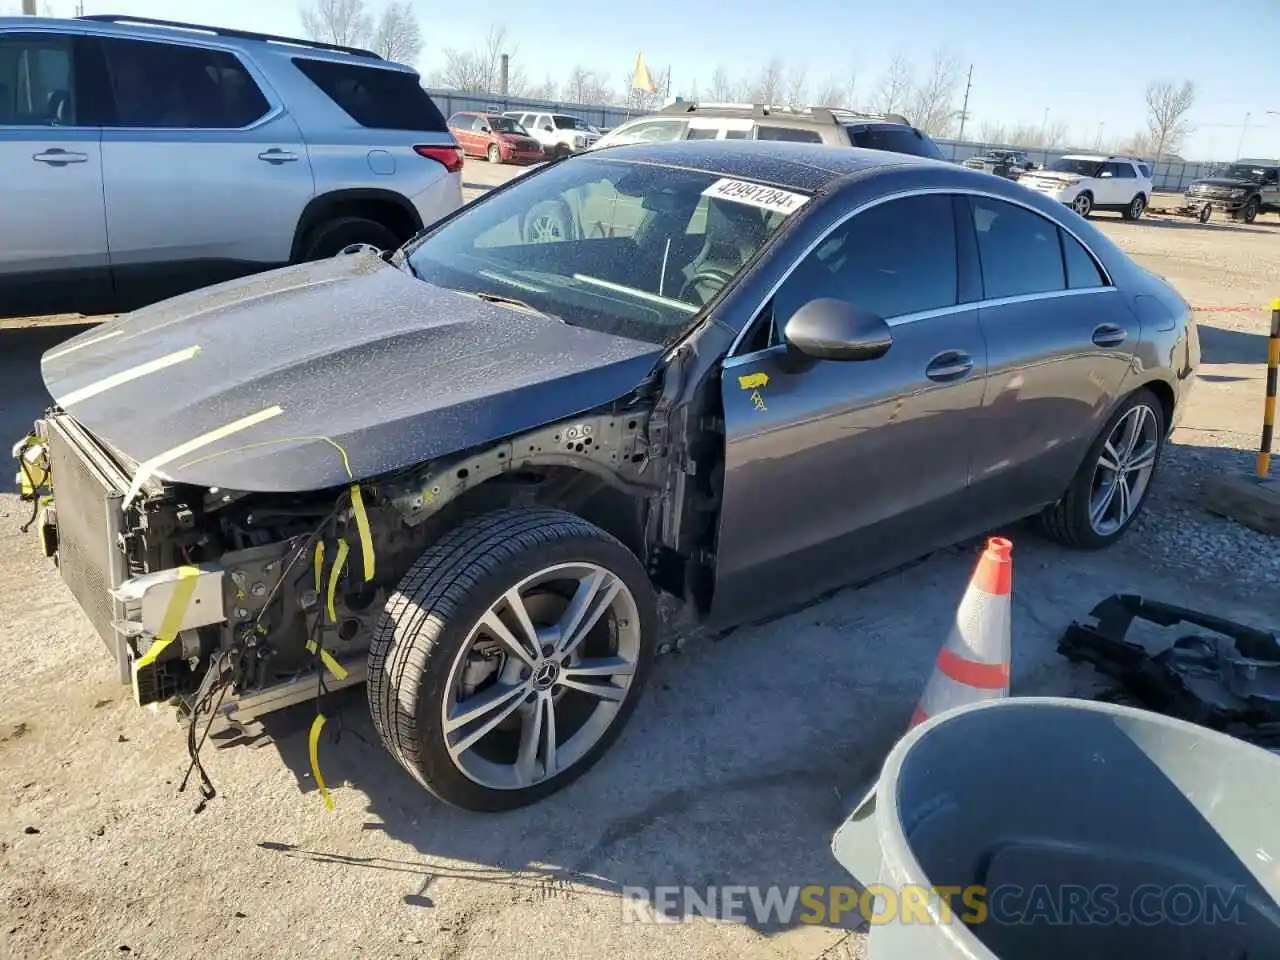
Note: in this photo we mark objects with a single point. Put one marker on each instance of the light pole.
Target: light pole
(1044, 129)
(1244, 128)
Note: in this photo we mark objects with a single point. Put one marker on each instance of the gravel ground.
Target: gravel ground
(738, 765)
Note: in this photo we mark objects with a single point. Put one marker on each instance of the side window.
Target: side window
(458, 120)
(1019, 250)
(654, 132)
(1124, 171)
(168, 85)
(37, 84)
(1082, 271)
(737, 134)
(543, 121)
(480, 124)
(701, 133)
(1273, 176)
(894, 259)
(379, 98)
(1145, 170)
(790, 134)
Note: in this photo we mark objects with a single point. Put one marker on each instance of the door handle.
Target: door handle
(277, 156)
(1109, 335)
(951, 365)
(57, 157)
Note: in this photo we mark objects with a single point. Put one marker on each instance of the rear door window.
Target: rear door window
(375, 97)
(790, 134)
(1122, 170)
(1019, 250)
(171, 85)
(1082, 271)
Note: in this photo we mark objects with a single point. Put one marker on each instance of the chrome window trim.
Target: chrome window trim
(732, 360)
(1109, 285)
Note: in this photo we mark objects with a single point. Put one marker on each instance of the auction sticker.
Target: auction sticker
(756, 195)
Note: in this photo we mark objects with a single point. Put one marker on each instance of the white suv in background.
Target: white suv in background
(140, 159)
(1087, 183)
(559, 133)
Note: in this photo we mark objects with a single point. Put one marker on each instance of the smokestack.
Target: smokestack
(504, 72)
(29, 7)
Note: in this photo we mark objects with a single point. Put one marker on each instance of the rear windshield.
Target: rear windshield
(895, 140)
(374, 97)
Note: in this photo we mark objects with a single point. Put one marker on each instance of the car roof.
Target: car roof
(801, 166)
(144, 28)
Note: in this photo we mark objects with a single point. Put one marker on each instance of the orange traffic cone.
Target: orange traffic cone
(974, 664)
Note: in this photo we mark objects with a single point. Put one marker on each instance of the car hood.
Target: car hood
(1222, 182)
(307, 377)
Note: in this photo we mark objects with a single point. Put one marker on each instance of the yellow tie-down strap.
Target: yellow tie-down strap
(339, 561)
(170, 623)
(313, 750)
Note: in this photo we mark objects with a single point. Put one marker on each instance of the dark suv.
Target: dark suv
(741, 121)
(1242, 190)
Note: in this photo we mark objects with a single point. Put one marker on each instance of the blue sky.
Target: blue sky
(1087, 61)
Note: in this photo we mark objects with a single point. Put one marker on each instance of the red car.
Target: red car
(497, 138)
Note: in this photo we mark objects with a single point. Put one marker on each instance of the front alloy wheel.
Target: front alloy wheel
(1082, 204)
(511, 656)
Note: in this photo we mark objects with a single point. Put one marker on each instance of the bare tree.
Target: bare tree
(832, 93)
(585, 86)
(933, 99)
(1054, 136)
(344, 22)
(548, 89)
(894, 89)
(992, 131)
(769, 86)
(479, 70)
(797, 89)
(1167, 107)
(396, 35)
(723, 88)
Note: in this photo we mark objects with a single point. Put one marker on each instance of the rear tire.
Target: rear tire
(330, 239)
(435, 661)
(1137, 207)
(1074, 521)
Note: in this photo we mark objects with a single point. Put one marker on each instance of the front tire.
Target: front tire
(1083, 203)
(1250, 211)
(1112, 484)
(493, 154)
(511, 656)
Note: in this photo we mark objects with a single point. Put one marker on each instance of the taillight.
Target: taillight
(450, 157)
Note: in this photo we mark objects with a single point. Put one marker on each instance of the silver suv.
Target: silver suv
(145, 158)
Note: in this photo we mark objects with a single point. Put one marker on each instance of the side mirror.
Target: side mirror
(1106, 173)
(829, 329)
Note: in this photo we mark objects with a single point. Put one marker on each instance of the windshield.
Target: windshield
(1081, 168)
(506, 125)
(1242, 171)
(571, 123)
(633, 250)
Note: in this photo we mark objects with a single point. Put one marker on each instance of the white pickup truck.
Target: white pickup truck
(559, 133)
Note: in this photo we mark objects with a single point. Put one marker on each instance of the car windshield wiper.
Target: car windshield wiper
(506, 301)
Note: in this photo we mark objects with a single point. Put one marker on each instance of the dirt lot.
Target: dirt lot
(736, 769)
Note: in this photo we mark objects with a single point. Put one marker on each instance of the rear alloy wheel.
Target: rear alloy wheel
(494, 154)
(1250, 211)
(511, 656)
(1112, 483)
(1083, 204)
(1137, 207)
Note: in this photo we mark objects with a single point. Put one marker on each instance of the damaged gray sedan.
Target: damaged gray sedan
(731, 374)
